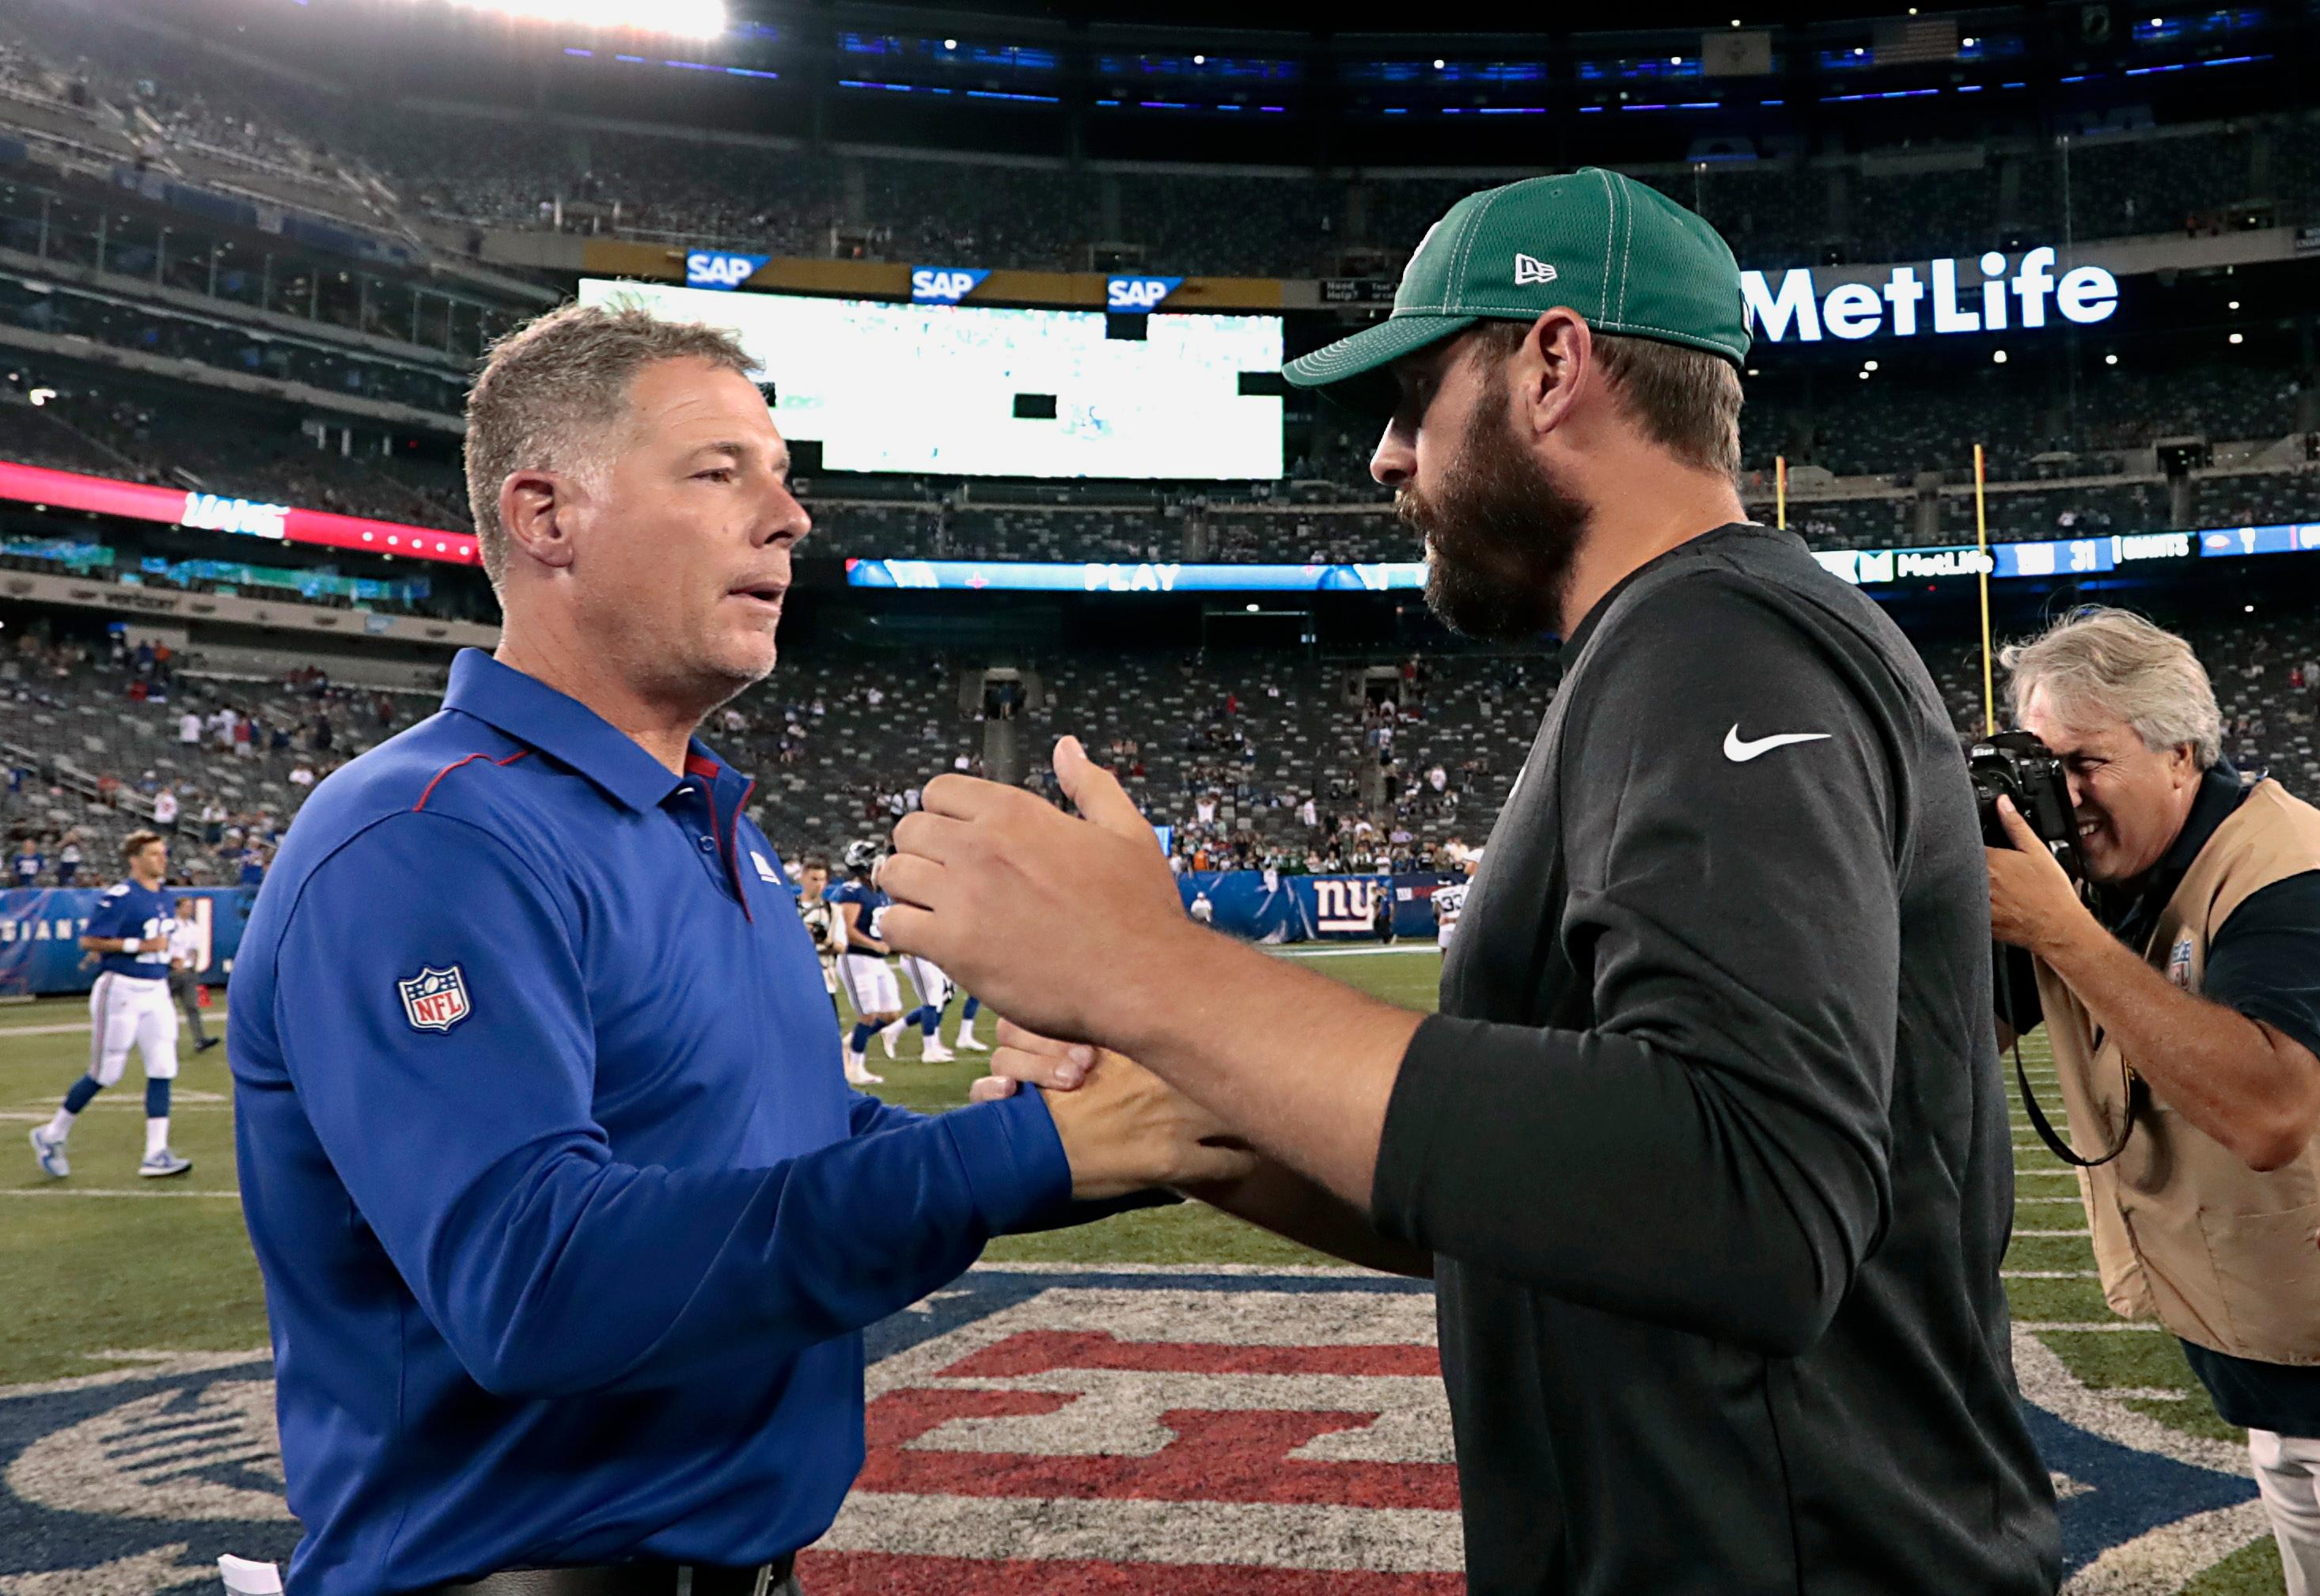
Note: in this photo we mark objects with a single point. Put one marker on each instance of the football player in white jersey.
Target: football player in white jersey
(862, 967)
(129, 1003)
(820, 919)
(934, 990)
(1450, 901)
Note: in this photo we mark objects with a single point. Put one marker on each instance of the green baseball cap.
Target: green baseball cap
(1621, 253)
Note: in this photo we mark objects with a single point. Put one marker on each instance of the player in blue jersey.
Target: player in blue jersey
(129, 934)
(862, 967)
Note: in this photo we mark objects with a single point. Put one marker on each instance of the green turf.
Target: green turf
(142, 1272)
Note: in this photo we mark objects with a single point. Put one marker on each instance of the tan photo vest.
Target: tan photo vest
(2183, 1230)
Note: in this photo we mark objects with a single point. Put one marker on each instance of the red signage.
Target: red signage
(284, 524)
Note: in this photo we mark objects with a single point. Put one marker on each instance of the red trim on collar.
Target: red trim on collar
(726, 848)
(694, 765)
(428, 792)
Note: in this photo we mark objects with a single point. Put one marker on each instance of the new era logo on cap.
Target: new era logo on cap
(1617, 252)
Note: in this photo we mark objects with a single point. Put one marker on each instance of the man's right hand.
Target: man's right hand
(1123, 1127)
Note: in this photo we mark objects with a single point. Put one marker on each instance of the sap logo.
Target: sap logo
(214, 513)
(1131, 578)
(943, 285)
(711, 269)
(1136, 295)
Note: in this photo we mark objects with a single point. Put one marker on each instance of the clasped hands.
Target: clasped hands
(1068, 929)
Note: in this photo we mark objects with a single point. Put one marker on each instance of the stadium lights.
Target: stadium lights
(1997, 357)
(2110, 360)
(1965, 45)
(1250, 608)
(1869, 366)
(1675, 60)
(1864, 377)
(1438, 63)
(950, 44)
(2235, 337)
(2234, 306)
(41, 395)
(685, 19)
(2247, 609)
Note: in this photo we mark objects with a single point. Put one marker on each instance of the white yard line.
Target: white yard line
(64, 1031)
(67, 1190)
(2132, 1326)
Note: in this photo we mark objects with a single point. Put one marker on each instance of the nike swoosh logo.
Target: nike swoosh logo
(1740, 752)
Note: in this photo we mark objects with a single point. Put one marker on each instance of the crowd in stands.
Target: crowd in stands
(1876, 437)
(161, 332)
(101, 738)
(1781, 209)
(1258, 761)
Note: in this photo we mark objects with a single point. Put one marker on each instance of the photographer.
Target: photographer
(2182, 999)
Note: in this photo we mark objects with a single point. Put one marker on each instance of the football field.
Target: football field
(1168, 1400)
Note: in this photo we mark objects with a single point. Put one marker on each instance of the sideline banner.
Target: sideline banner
(41, 930)
(1313, 908)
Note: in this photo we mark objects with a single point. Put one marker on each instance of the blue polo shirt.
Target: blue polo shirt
(569, 1222)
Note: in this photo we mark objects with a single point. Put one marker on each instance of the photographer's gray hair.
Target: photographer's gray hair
(2115, 661)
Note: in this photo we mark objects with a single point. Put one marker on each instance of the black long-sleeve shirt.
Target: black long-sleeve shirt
(1710, 1138)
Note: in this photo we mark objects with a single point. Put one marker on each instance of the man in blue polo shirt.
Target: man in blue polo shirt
(567, 1221)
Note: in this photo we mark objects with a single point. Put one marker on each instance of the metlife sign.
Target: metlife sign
(716, 269)
(1136, 296)
(2024, 294)
(213, 512)
(944, 284)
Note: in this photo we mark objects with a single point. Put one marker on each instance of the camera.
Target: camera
(2016, 765)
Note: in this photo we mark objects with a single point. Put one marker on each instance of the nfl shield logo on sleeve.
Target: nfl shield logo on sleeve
(2179, 964)
(434, 1000)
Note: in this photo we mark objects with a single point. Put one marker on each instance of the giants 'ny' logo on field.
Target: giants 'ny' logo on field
(1530, 268)
(434, 1000)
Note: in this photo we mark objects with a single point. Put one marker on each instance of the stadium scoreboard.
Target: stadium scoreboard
(953, 390)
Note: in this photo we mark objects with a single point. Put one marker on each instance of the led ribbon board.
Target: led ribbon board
(251, 518)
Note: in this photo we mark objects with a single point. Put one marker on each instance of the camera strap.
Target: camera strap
(2136, 1094)
(2055, 1143)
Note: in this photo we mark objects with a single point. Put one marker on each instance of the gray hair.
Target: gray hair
(2115, 661)
(551, 388)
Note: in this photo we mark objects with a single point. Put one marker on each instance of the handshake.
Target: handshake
(1123, 1127)
(1074, 930)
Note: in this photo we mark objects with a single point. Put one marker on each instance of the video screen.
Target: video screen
(960, 390)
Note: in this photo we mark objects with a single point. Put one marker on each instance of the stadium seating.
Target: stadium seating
(1864, 204)
(837, 742)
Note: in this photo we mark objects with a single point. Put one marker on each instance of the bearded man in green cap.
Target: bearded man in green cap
(1706, 1149)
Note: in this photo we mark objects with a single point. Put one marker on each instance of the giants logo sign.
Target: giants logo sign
(1346, 903)
(1054, 1430)
(1124, 1437)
